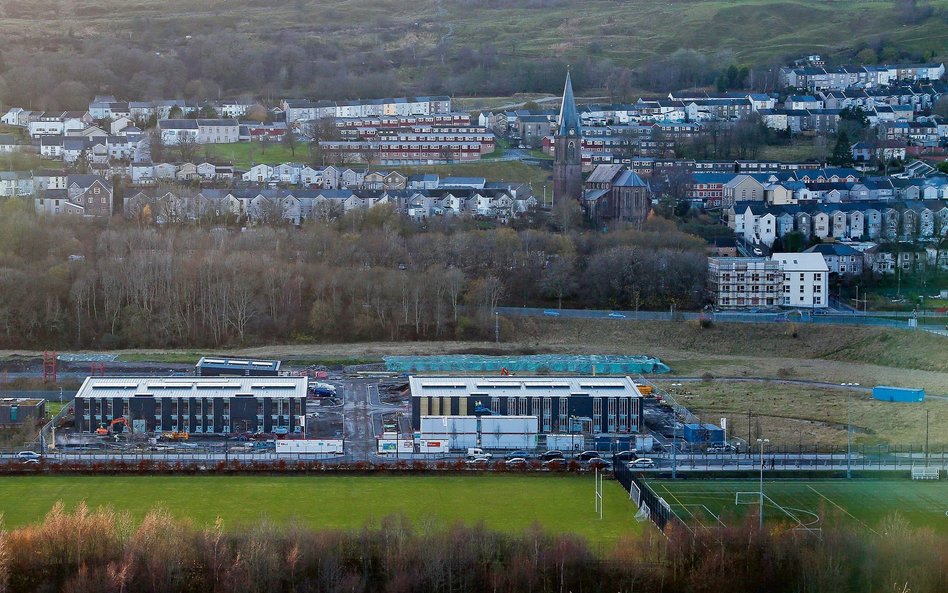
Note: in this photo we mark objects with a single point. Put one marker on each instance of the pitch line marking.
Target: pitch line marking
(823, 496)
(677, 501)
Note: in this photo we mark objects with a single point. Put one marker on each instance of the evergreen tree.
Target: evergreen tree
(842, 155)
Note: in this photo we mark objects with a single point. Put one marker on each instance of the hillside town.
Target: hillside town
(876, 202)
(364, 296)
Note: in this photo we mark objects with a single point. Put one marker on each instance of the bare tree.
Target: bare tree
(559, 278)
(188, 147)
(290, 141)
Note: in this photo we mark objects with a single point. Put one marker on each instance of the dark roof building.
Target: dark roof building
(236, 367)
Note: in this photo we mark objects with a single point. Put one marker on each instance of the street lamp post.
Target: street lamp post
(762, 441)
(849, 431)
(496, 327)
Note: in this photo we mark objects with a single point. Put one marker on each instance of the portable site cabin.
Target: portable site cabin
(236, 367)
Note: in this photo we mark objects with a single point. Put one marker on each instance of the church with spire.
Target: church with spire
(567, 150)
(611, 193)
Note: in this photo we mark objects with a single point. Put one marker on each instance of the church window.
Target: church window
(571, 151)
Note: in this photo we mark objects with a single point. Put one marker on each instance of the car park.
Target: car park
(640, 463)
(552, 455)
(587, 455)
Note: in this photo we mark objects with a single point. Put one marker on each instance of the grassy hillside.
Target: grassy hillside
(630, 32)
(409, 38)
(795, 414)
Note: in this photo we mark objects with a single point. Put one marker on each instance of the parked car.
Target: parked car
(479, 462)
(720, 448)
(551, 313)
(640, 463)
(31, 461)
(587, 455)
(597, 462)
(517, 462)
(626, 455)
(615, 315)
(516, 454)
(552, 455)
(555, 464)
(23, 455)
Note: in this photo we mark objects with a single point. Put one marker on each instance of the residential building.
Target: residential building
(805, 280)
(741, 282)
(841, 259)
(199, 131)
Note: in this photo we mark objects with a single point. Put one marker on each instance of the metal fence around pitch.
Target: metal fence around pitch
(659, 512)
(860, 457)
(899, 320)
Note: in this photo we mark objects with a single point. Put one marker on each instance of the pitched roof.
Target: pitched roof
(801, 261)
(832, 249)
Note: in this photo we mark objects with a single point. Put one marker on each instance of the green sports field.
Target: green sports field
(508, 503)
(809, 503)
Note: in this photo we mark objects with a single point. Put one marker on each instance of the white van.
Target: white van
(477, 452)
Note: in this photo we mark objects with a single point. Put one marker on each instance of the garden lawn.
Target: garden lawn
(503, 502)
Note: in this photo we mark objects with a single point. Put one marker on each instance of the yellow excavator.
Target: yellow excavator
(175, 436)
(104, 430)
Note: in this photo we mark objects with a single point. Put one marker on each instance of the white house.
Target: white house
(805, 280)
(200, 131)
(258, 174)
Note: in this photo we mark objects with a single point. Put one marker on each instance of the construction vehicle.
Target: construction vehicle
(104, 430)
(504, 372)
(175, 436)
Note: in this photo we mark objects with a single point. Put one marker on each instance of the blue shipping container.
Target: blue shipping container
(715, 434)
(898, 394)
(703, 433)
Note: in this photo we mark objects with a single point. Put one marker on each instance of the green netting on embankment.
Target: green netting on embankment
(553, 363)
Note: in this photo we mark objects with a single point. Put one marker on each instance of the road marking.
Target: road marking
(821, 495)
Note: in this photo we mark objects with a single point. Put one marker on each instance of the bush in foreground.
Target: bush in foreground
(105, 552)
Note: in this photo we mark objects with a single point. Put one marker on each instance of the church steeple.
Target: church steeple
(567, 150)
(569, 117)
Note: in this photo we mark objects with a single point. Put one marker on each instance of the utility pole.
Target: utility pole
(762, 441)
(849, 429)
(675, 450)
(496, 327)
(926, 438)
(748, 432)
(849, 437)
